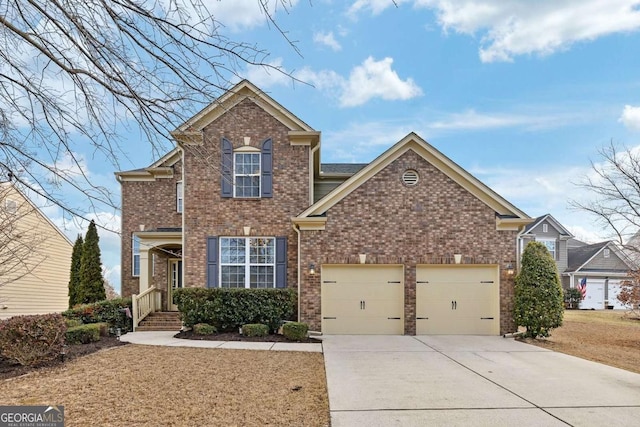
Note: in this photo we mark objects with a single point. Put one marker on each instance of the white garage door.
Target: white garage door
(457, 300)
(595, 295)
(362, 299)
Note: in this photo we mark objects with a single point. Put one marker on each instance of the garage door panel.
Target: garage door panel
(457, 300)
(362, 299)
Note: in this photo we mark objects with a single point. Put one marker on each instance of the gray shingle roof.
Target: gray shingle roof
(578, 256)
(342, 168)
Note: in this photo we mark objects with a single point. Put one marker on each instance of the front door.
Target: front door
(175, 280)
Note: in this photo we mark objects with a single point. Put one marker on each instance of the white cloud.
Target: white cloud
(239, 15)
(630, 117)
(523, 27)
(327, 39)
(371, 79)
(472, 120)
(375, 6)
(376, 79)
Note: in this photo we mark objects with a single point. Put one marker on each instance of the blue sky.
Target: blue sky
(522, 94)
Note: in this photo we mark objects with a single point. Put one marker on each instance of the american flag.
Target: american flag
(582, 287)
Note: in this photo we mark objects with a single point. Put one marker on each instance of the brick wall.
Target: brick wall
(208, 214)
(152, 203)
(396, 224)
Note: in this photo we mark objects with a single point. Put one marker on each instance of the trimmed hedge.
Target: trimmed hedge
(84, 334)
(229, 309)
(30, 340)
(112, 312)
(204, 329)
(255, 330)
(295, 331)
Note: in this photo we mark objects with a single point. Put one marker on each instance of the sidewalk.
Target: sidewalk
(165, 338)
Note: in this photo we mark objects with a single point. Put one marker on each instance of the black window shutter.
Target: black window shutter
(267, 169)
(227, 168)
(281, 262)
(212, 262)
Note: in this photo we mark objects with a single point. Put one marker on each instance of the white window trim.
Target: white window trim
(247, 264)
(135, 254)
(606, 253)
(545, 228)
(554, 254)
(259, 174)
(179, 197)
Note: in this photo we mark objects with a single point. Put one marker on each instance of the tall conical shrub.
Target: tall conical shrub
(92, 282)
(74, 274)
(538, 293)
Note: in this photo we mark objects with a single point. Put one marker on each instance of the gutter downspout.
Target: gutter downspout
(297, 230)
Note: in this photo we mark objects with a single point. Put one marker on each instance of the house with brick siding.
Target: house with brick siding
(410, 243)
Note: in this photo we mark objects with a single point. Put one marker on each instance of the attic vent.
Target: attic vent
(410, 178)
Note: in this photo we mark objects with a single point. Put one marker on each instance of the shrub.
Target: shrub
(29, 340)
(112, 312)
(538, 304)
(255, 330)
(72, 323)
(572, 297)
(83, 334)
(228, 309)
(204, 329)
(295, 331)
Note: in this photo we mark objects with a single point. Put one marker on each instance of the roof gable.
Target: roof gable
(580, 257)
(551, 220)
(445, 165)
(243, 90)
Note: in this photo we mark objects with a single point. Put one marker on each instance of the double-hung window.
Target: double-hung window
(246, 174)
(551, 246)
(247, 262)
(135, 256)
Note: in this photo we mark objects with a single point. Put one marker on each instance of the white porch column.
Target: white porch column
(145, 268)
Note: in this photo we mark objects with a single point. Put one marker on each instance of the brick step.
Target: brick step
(161, 321)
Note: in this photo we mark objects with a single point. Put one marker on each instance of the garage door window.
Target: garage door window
(247, 262)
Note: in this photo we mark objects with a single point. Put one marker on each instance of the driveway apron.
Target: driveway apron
(471, 380)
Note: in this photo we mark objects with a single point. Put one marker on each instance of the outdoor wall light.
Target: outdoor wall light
(510, 269)
(312, 269)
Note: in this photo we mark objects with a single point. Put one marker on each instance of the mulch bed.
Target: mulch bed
(234, 336)
(9, 370)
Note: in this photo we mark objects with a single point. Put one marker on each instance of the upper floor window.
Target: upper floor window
(247, 262)
(246, 174)
(135, 256)
(247, 171)
(551, 246)
(179, 196)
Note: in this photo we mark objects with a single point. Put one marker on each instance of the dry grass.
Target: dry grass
(165, 386)
(606, 336)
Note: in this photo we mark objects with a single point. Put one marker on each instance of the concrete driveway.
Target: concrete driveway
(471, 380)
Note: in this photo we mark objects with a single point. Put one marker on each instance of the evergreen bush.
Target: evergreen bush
(538, 304)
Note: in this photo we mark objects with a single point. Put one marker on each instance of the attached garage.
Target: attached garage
(362, 299)
(457, 300)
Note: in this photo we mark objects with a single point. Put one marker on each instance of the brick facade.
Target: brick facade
(396, 224)
(389, 221)
(152, 204)
(207, 213)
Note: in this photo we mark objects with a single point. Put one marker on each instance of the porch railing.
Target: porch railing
(145, 303)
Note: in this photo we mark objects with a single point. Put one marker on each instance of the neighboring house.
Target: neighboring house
(548, 231)
(35, 278)
(244, 202)
(601, 267)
